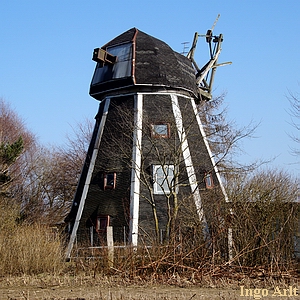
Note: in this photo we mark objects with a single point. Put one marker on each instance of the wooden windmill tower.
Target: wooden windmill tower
(148, 151)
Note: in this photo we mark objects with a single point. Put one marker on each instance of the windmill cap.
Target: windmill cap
(137, 61)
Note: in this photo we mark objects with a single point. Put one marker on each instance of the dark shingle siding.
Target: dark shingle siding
(125, 37)
(155, 64)
(111, 158)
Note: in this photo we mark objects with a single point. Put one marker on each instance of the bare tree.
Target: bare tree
(225, 136)
(266, 217)
(77, 143)
(42, 181)
(15, 142)
(294, 111)
(54, 176)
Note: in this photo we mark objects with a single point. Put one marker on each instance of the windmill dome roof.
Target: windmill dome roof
(141, 61)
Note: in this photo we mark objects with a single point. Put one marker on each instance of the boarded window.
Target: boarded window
(102, 222)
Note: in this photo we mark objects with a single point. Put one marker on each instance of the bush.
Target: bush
(266, 218)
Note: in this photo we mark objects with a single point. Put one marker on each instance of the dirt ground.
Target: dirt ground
(133, 293)
(136, 292)
(81, 289)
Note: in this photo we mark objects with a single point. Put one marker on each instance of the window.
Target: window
(208, 181)
(102, 222)
(116, 63)
(163, 178)
(109, 181)
(160, 130)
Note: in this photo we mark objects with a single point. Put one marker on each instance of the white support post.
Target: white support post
(92, 236)
(88, 179)
(110, 246)
(136, 170)
(229, 235)
(189, 164)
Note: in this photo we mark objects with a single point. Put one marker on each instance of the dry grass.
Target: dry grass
(30, 249)
(32, 267)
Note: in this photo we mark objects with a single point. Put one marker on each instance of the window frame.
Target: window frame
(106, 219)
(159, 186)
(208, 178)
(107, 186)
(155, 134)
(120, 69)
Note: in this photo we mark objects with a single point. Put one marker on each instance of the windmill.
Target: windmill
(148, 152)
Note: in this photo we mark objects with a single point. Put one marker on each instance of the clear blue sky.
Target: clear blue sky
(46, 66)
